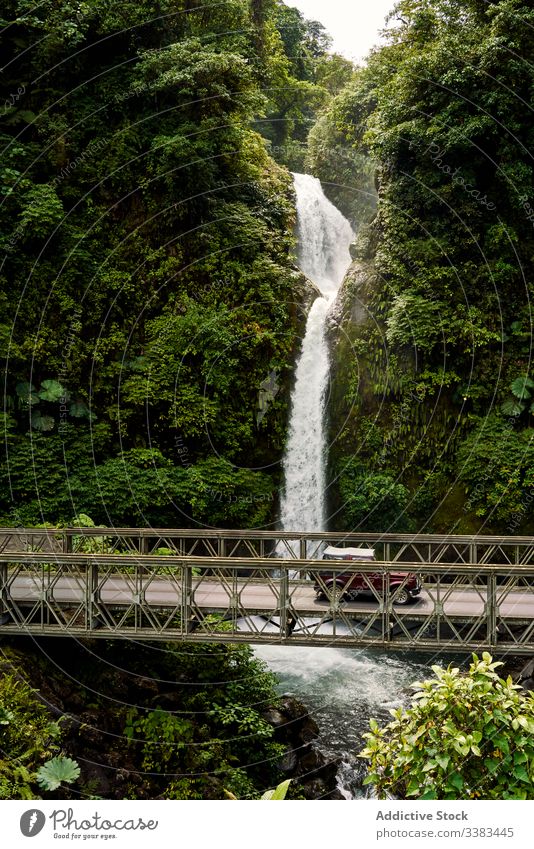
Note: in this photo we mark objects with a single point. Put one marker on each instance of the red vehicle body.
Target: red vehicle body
(404, 586)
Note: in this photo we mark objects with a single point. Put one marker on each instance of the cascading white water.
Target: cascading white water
(324, 237)
(342, 687)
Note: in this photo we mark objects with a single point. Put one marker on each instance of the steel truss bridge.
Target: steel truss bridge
(258, 587)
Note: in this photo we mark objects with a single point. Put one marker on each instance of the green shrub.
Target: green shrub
(27, 737)
(464, 737)
(495, 465)
(416, 320)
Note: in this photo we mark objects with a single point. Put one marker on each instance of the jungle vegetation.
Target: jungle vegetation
(148, 290)
(135, 722)
(147, 283)
(433, 370)
(465, 736)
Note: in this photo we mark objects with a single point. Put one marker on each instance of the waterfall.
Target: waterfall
(324, 237)
(342, 687)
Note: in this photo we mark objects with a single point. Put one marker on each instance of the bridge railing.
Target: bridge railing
(462, 607)
(389, 548)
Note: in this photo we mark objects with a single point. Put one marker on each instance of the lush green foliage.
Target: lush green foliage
(217, 733)
(339, 155)
(196, 731)
(302, 78)
(56, 476)
(446, 263)
(520, 398)
(495, 465)
(27, 737)
(464, 737)
(57, 771)
(373, 502)
(147, 281)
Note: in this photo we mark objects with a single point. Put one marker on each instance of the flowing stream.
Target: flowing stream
(343, 688)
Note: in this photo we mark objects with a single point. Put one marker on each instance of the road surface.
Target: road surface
(263, 598)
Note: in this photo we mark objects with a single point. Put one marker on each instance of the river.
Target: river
(343, 689)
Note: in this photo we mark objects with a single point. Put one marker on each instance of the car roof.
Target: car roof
(342, 553)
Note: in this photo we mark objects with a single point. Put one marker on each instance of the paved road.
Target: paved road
(262, 598)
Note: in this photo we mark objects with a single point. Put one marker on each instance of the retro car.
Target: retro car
(334, 583)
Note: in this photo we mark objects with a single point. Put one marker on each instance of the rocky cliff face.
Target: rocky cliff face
(383, 417)
(351, 395)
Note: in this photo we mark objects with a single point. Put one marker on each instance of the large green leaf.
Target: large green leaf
(79, 409)
(511, 407)
(279, 792)
(56, 771)
(52, 390)
(522, 387)
(521, 774)
(40, 422)
(27, 393)
(429, 794)
(456, 781)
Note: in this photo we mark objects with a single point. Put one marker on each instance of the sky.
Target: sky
(353, 24)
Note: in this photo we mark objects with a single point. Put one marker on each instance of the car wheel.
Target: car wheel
(402, 596)
(337, 594)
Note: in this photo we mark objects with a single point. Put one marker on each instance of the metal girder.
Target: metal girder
(423, 548)
(260, 599)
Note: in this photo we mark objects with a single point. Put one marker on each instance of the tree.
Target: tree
(373, 501)
(443, 286)
(302, 77)
(147, 274)
(466, 736)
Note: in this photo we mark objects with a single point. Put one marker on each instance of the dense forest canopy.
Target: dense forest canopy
(147, 280)
(437, 384)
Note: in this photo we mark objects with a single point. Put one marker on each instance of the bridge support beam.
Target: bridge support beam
(285, 629)
(187, 599)
(491, 609)
(385, 604)
(4, 594)
(93, 597)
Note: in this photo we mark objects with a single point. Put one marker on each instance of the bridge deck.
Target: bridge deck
(463, 606)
